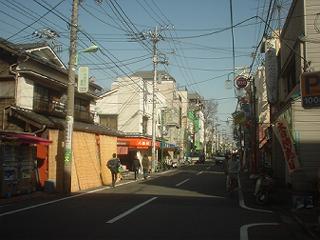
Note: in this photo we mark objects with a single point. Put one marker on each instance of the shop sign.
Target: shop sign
(282, 132)
(310, 89)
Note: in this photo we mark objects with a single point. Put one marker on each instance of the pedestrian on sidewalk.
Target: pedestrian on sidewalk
(233, 168)
(136, 167)
(113, 164)
(145, 165)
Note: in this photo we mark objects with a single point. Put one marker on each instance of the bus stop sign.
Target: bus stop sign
(310, 89)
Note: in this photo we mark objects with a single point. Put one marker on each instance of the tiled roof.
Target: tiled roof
(59, 123)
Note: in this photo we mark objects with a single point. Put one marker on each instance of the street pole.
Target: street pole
(255, 127)
(155, 39)
(67, 163)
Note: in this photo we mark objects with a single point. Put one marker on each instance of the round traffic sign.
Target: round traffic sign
(241, 82)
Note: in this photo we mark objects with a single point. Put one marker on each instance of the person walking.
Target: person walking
(113, 164)
(233, 168)
(136, 167)
(145, 165)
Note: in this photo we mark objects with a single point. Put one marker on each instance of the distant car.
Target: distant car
(219, 159)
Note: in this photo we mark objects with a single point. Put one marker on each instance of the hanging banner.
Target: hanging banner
(271, 71)
(282, 132)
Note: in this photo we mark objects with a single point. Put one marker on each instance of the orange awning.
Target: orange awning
(138, 142)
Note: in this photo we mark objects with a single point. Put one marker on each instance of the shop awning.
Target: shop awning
(24, 138)
(138, 142)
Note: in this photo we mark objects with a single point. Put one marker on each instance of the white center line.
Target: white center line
(122, 215)
(184, 181)
(199, 173)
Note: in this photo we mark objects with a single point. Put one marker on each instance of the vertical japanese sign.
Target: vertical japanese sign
(83, 79)
(282, 132)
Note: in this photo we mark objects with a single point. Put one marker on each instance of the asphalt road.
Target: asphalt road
(186, 203)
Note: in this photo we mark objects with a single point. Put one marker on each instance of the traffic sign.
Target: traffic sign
(241, 81)
(310, 89)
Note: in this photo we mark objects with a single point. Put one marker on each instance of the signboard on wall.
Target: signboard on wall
(310, 89)
(282, 132)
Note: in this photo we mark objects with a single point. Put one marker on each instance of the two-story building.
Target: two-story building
(33, 95)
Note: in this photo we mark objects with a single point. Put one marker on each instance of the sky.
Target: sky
(196, 37)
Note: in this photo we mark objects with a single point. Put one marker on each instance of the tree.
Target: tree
(210, 108)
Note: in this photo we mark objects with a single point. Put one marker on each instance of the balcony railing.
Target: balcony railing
(58, 109)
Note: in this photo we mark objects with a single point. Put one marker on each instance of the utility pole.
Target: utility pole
(155, 40)
(67, 163)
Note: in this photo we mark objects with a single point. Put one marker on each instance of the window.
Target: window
(144, 124)
(7, 89)
(82, 109)
(290, 76)
(41, 99)
(110, 120)
(48, 101)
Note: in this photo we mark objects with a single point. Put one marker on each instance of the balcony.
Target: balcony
(57, 108)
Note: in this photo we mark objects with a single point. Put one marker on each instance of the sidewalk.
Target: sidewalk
(42, 196)
(281, 204)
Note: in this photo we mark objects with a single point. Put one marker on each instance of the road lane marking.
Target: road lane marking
(242, 203)
(199, 173)
(122, 215)
(58, 200)
(184, 181)
(244, 229)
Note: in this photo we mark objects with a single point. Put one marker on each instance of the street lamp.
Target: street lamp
(228, 83)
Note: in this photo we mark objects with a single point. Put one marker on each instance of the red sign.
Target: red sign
(241, 82)
(282, 132)
(138, 143)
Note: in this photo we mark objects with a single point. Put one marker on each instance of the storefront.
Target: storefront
(23, 162)
(129, 147)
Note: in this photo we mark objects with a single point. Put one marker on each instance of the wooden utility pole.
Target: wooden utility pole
(67, 163)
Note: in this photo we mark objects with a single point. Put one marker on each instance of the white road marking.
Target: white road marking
(184, 181)
(199, 173)
(58, 200)
(244, 229)
(122, 215)
(242, 203)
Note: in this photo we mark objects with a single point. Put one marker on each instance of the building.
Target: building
(296, 135)
(33, 88)
(195, 123)
(128, 106)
